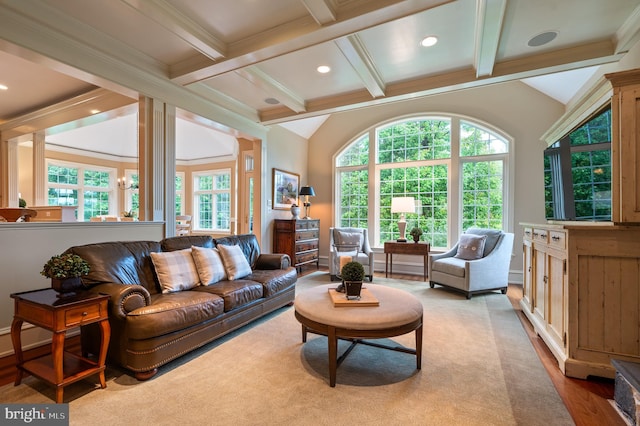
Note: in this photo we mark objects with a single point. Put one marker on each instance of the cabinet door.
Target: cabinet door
(527, 279)
(557, 288)
(539, 289)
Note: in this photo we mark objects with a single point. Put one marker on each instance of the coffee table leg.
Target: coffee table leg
(419, 347)
(304, 334)
(333, 355)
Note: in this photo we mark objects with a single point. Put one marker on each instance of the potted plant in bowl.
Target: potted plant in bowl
(352, 274)
(415, 233)
(65, 271)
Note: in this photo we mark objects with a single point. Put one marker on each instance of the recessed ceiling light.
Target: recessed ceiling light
(429, 41)
(542, 38)
(272, 101)
(94, 111)
(3, 87)
(323, 69)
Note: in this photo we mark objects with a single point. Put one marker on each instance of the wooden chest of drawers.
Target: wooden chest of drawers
(299, 238)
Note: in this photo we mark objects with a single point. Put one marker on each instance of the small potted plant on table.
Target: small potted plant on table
(352, 274)
(65, 271)
(415, 233)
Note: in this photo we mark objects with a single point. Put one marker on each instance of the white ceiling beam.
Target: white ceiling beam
(629, 32)
(297, 35)
(265, 82)
(321, 10)
(489, 18)
(358, 56)
(177, 23)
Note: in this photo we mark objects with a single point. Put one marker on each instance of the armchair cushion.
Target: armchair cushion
(348, 238)
(471, 247)
(493, 235)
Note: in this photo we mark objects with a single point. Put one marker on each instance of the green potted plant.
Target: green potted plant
(352, 274)
(65, 271)
(415, 233)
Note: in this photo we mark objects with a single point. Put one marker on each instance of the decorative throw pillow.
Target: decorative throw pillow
(176, 270)
(209, 265)
(471, 247)
(349, 239)
(234, 261)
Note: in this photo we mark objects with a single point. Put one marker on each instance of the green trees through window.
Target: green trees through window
(413, 158)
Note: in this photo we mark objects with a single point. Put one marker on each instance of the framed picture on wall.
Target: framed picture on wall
(285, 189)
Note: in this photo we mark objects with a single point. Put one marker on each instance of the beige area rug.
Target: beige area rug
(478, 368)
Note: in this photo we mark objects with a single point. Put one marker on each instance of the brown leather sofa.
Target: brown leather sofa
(149, 328)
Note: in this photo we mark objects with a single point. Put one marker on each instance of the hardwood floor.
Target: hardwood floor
(587, 400)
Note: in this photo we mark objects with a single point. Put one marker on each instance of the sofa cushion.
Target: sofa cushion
(234, 261)
(172, 312)
(185, 242)
(209, 265)
(274, 280)
(235, 293)
(471, 247)
(176, 270)
(450, 265)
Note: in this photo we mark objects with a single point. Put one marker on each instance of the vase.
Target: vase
(352, 289)
(295, 211)
(416, 238)
(67, 287)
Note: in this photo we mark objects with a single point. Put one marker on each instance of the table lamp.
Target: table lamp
(307, 191)
(402, 205)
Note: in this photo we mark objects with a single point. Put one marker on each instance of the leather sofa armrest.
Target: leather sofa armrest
(124, 297)
(267, 261)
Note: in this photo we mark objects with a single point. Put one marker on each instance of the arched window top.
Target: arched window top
(357, 154)
(414, 140)
(475, 140)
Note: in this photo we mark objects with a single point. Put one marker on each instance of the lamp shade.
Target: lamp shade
(403, 205)
(307, 190)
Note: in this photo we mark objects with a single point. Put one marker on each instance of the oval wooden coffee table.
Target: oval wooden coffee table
(398, 313)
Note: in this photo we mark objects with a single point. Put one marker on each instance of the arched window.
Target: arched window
(454, 168)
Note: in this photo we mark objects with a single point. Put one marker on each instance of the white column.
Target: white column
(39, 170)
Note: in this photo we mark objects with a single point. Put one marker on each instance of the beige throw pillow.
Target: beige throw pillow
(471, 247)
(234, 261)
(209, 265)
(176, 270)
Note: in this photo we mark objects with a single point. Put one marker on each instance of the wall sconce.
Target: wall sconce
(122, 184)
(307, 191)
(403, 205)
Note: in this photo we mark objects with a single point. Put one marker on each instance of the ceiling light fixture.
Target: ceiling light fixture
(323, 69)
(272, 101)
(95, 111)
(3, 87)
(542, 38)
(429, 41)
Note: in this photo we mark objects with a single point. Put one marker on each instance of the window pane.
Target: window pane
(205, 183)
(414, 140)
(354, 187)
(205, 207)
(428, 185)
(179, 184)
(357, 154)
(95, 204)
(482, 203)
(222, 211)
(596, 130)
(62, 197)
(64, 175)
(223, 181)
(591, 172)
(96, 178)
(477, 141)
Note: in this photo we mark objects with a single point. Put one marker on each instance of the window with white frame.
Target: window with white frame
(91, 188)
(212, 200)
(180, 193)
(417, 157)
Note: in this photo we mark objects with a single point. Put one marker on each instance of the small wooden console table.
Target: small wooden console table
(45, 309)
(393, 247)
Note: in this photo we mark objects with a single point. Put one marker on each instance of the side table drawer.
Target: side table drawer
(79, 315)
(306, 235)
(306, 257)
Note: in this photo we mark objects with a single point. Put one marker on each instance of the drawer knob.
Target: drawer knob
(84, 314)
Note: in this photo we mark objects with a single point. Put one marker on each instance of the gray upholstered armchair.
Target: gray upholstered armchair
(478, 263)
(352, 242)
